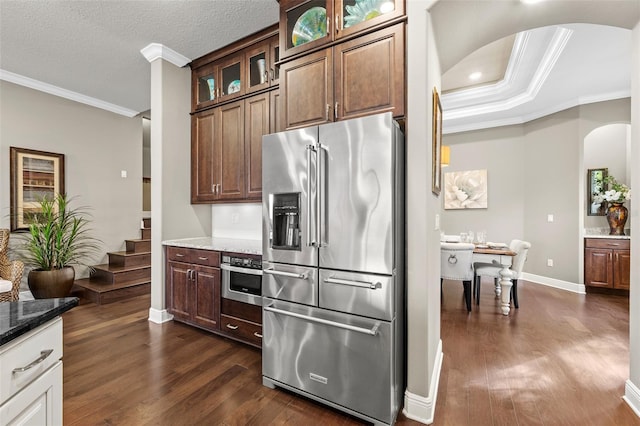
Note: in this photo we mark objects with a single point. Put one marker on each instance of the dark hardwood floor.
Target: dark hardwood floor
(561, 359)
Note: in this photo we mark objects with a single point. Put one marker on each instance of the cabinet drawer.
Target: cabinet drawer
(197, 256)
(241, 329)
(179, 254)
(606, 243)
(205, 257)
(34, 352)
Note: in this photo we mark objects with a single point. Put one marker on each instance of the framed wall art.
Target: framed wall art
(465, 190)
(595, 185)
(34, 175)
(436, 167)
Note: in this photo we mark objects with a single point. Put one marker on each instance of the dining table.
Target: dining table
(502, 256)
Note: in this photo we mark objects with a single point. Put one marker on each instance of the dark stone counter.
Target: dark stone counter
(17, 318)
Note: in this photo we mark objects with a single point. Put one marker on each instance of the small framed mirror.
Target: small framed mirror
(595, 184)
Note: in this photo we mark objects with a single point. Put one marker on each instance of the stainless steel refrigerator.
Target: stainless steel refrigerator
(333, 245)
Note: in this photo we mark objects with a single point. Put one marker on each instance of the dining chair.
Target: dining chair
(456, 264)
(492, 270)
(10, 271)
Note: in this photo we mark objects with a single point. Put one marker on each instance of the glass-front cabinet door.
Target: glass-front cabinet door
(204, 87)
(261, 68)
(231, 77)
(358, 15)
(304, 24)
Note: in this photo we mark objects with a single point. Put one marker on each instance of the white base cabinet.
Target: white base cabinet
(31, 377)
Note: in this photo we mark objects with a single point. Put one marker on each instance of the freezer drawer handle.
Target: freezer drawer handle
(372, 331)
(43, 356)
(302, 276)
(363, 284)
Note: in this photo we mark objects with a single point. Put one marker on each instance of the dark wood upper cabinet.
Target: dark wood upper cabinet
(203, 131)
(261, 70)
(369, 74)
(306, 88)
(218, 81)
(359, 77)
(257, 123)
(308, 24)
(229, 152)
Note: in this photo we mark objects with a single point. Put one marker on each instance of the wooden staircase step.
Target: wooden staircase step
(110, 274)
(138, 246)
(146, 233)
(146, 222)
(103, 293)
(125, 258)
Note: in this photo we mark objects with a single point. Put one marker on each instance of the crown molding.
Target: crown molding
(552, 109)
(554, 49)
(158, 51)
(64, 93)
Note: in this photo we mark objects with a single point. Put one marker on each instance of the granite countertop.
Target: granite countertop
(234, 245)
(613, 237)
(17, 318)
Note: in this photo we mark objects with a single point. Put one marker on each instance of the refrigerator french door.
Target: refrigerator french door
(333, 287)
(329, 195)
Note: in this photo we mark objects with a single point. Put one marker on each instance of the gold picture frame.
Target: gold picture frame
(34, 175)
(436, 167)
(595, 184)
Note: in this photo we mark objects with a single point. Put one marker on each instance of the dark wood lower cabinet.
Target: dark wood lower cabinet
(192, 287)
(607, 263)
(193, 296)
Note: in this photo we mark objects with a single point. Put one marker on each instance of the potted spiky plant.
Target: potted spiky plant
(58, 238)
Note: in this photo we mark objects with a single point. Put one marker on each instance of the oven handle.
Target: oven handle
(227, 267)
(371, 332)
(363, 284)
(302, 276)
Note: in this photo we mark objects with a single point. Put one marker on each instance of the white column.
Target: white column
(424, 349)
(632, 387)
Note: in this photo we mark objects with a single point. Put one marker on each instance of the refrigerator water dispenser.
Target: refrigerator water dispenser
(286, 221)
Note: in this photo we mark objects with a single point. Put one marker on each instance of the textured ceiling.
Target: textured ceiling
(93, 47)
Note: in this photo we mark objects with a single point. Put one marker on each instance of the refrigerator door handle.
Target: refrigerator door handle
(322, 196)
(310, 242)
(363, 284)
(303, 276)
(370, 331)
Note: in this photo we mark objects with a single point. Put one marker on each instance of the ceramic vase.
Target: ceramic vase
(617, 217)
(51, 284)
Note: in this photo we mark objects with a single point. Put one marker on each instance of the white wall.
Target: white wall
(533, 170)
(97, 145)
(501, 152)
(424, 351)
(606, 147)
(632, 388)
(237, 220)
(172, 214)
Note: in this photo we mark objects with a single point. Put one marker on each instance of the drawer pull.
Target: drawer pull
(203, 258)
(258, 335)
(43, 356)
(232, 327)
(179, 255)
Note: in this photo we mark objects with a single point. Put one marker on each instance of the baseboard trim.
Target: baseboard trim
(632, 396)
(419, 408)
(159, 316)
(552, 282)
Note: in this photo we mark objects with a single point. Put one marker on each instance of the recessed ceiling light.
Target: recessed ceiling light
(475, 75)
(531, 1)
